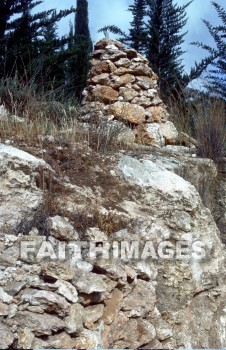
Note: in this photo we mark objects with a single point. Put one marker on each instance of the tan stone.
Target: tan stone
(141, 300)
(93, 313)
(105, 94)
(127, 94)
(6, 337)
(39, 324)
(149, 134)
(159, 114)
(102, 79)
(112, 306)
(142, 101)
(169, 132)
(74, 321)
(117, 81)
(113, 53)
(145, 82)
(141, 69)
(87, 340)
(104, 337)
(138, 332)
(123, 62)
(122, 71)
(100, 45)
(25, 338)
(129, 112)
(58, 341)
(4, 309)
(100, 67)
(95, 61)
(117, 328)
(57, 270)
(131, 53)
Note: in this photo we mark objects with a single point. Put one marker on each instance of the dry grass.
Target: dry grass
(210, 127)
(202, 117)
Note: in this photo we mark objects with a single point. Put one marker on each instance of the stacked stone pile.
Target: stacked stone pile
(122, 85)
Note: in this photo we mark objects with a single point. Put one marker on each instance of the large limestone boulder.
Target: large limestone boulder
(20, 196)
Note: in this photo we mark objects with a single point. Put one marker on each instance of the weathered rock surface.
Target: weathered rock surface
(19, 192)
(150, 295)
(6, 337)
(39, 324)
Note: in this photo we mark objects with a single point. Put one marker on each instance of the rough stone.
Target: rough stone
(74, 321)
(40, 325)
(89, 283)
(169, 132)
(141, 300)
(51, 302)
(145, 82)
(57, 270)
(123, 80)
(58, 341)
(61, 228)
(128, 94)
(19, 192)
(25, 338)
(158, 113)
(6, 337)
(67, 290)
(101, 67)
(87, 340)
(138, 332)
(93, 313)
(102, 79)
(129, 112)
(105, 94)
(150, 134)
(4, 309)
(112, 306)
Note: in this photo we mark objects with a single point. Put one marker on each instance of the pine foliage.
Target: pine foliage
(217, 75)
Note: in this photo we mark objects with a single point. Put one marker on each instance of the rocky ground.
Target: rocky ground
(74, 194)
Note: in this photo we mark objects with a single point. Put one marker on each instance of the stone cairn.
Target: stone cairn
(124, 88)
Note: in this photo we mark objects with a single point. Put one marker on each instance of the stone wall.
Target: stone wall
(122, 85)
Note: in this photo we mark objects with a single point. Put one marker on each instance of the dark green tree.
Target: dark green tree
(137, 32)
(8, 8)
(32, 36)
(216, 77)
(80, 48)
(165, 24)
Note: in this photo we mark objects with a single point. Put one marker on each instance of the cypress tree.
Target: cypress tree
(31, 37)
(166, 21)
(78, 64)
(137, 33)
(8, 8)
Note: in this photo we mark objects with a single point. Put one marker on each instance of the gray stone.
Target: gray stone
(40, 325)
(74, 321)
(6, 337)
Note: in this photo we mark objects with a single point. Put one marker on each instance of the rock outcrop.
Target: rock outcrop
(164, 290)
(122, 85)
(20, 196)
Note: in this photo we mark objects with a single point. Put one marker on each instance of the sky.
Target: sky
(108, 12)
